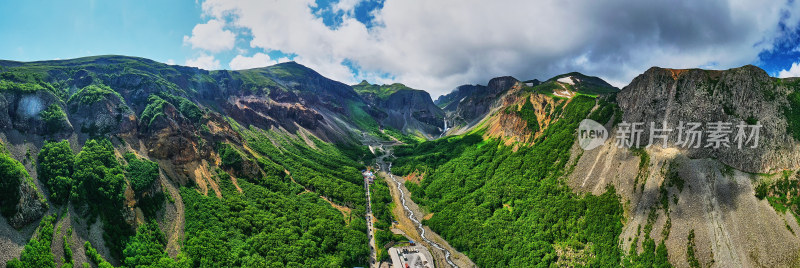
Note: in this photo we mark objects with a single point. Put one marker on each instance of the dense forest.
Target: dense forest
(280, 220)
(275, 220)
(510, 208)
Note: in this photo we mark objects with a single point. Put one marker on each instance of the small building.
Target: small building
(369, 177)
(410, 257)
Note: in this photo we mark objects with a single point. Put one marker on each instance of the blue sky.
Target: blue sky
(45, 30)
(431, 45)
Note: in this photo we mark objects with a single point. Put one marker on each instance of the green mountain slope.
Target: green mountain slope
(181, 166)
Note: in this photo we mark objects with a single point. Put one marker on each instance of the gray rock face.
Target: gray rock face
(736, 95)
(411, 110)
(403, 108)
(449, 102)
(30, 208)
(479, 103)
(109, 115)
(21, 111)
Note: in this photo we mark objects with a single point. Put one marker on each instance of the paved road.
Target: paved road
(370, 231)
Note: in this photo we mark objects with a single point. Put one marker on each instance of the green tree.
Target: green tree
(11, 175)
(55, 163)
(54, 118)
(146, 247)
(142, 173)
(37, 252)
(99, 176)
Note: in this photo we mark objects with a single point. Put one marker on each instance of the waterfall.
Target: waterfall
(445, 128)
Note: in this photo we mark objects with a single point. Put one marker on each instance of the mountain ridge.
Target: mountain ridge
(223, 140)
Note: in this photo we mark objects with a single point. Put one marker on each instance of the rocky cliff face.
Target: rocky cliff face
(30, 208)
(409, 110)
(449, 101)
(416, 110)
(474, 107)
(708, 192)
(745, 94)
(22, 111)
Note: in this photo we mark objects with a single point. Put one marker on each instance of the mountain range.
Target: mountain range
(124, 161)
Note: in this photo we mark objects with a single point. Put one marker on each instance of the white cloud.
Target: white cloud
(211, 36)
(346, 5)
(438, 45)
(794, 71)
(206, 62)
(259, 59)
(170, 62)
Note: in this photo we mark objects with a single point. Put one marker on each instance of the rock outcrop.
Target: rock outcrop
(474, 107)
(403, 108)
(31, 206)
(745, 94)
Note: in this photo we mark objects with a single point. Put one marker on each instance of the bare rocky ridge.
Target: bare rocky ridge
(475, 107)
(733, 228)
(735, 95)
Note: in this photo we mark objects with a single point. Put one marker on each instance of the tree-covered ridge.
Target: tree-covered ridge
(54, 117)
(262, 228)
(323, 169)
(273, 222)
(156, 103)
(25, 82)
(382, 92)
(381, 201)
(505, 208)
(92, 94)
(278, 219)
(99, 176)
(293, 172)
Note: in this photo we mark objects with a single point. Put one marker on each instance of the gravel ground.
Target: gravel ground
(12, 241)
(732, 227)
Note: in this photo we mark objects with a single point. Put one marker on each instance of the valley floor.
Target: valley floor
(409, 226)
